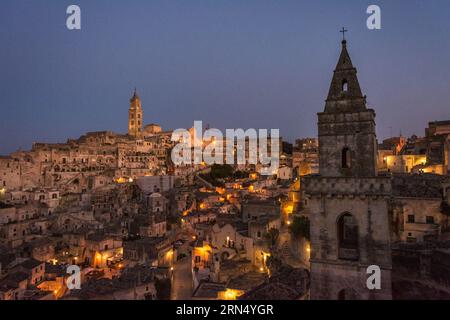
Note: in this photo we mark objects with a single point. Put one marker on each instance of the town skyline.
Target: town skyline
(267, 80)
(170, 211)
(290, 140)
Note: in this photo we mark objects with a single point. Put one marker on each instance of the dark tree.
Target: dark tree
(221, 171)
(300, 228)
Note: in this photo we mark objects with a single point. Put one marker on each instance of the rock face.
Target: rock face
(347, 201)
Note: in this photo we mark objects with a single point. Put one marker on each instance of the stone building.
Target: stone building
(254, 208)
(95, 159)
(305, 156)
(417, 215)
(347, 200)
(428, 154)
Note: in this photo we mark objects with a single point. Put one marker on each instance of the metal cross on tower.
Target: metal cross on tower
(343, 31)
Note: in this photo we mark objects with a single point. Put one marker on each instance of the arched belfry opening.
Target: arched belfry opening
(347, 228)
(346, 160)
(344, 85)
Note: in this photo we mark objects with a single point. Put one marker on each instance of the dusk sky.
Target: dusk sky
(231, 63)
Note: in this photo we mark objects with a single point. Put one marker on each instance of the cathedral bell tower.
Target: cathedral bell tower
(135, 116)
(347, 201)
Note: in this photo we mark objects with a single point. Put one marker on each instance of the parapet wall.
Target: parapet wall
(335, 186)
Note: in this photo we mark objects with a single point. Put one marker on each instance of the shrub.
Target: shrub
(300, 227)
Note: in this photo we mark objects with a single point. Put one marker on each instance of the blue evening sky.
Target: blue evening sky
(230, 63)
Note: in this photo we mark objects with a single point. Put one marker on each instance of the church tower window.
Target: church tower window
(346, 158)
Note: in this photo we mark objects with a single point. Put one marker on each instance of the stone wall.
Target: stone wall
(355, 131)
(366, 199)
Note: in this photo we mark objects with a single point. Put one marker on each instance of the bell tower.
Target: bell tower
(347, 137)
(135, 116)
(347, 201)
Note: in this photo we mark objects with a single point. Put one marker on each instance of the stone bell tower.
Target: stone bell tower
(347, 201)
(347, 137)
(135, 116)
